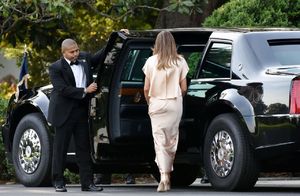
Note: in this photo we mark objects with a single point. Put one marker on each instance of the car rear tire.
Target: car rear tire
(32, 151)
(228, 157)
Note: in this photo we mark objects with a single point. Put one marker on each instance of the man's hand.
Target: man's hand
(126, 31)
(91, 88)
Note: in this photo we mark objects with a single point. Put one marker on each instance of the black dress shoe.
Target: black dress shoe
(91, 187)
(60, 188)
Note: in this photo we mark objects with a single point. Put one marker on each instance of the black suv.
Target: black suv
(241, 112)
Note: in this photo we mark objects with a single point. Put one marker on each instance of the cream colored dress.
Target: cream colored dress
(165, 109)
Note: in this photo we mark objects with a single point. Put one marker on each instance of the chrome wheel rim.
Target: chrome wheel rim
(29, 151)
(222, 154)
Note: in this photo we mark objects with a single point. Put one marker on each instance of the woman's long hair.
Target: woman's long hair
(165, 48)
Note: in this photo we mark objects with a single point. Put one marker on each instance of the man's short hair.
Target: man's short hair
(67, 43)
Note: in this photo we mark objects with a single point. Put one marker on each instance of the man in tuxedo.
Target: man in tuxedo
(72, 81)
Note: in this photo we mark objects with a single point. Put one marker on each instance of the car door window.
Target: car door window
(136, 59)
(134, 64)
(192, 55)
(217, 62)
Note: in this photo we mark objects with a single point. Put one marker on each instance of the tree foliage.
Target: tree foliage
(131, 8)
(26, 21)
(256, 13)
(7, 172)
(43, 24)
(21, 20)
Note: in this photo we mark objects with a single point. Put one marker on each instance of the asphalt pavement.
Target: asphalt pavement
(265, 186)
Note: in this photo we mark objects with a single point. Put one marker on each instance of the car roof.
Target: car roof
(154, 32)
(200, 34)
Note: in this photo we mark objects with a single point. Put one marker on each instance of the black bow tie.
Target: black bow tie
(74, 63)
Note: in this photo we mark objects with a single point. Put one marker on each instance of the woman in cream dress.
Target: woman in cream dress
(165, 84)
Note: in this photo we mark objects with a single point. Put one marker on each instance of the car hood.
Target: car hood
(46, 89)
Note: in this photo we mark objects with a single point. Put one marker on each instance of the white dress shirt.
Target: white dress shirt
(79, 75)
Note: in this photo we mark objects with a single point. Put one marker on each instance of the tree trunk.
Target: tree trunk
(167, 19)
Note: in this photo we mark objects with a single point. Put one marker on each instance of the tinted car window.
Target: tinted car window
(217, 61)
(192, 55)
(286, 51)
(106, 71)
(134, 64)
(137, 58)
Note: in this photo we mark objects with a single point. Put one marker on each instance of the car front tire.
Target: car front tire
(228, 157)
(32, 151)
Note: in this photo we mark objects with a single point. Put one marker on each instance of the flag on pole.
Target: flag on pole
(23, 77)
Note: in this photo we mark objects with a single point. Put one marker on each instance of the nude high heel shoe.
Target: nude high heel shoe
(167, 182)
(161, 187)
(164, 184)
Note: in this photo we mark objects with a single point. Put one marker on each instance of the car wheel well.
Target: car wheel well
(213, 111)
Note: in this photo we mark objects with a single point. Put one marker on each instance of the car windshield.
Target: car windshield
(286, 52)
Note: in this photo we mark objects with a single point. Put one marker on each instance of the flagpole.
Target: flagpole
(26, 78)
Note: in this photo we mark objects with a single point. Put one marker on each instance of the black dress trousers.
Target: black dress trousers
(76, 125)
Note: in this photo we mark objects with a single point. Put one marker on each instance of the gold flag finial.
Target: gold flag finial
(25, 48)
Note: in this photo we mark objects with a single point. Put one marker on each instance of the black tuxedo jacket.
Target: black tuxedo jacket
(65, 95)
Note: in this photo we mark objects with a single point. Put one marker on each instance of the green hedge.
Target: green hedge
(6, 169)
(256, 13)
